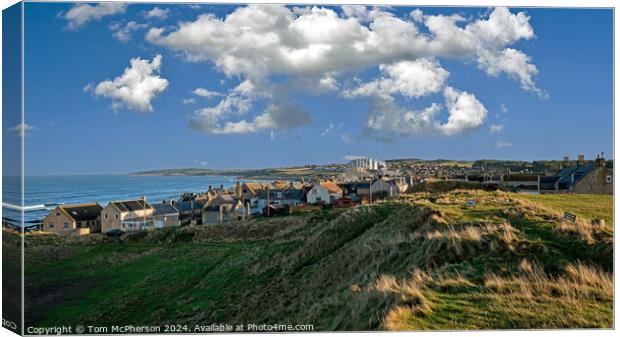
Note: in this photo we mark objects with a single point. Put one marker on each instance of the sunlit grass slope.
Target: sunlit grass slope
(426, 261)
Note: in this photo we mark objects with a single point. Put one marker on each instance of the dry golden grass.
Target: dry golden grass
(579, 281)
(408, 296)
(582, 230)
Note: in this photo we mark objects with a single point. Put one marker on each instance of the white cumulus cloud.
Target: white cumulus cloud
(258, 40)
(408, 78)
(386, 118)
(275, 116)
(202, 92)
(465, 112)
(319, 50)
(139, 84)
(157, 13)
(80, 14)
(123, 32)
(512, 62)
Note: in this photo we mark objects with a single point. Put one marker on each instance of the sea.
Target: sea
(44, 193)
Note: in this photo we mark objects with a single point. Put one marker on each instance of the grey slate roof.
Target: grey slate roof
(164, 209)
(131, 205)
(186, 206)
(282, 194)
(84, 212)
(569, 176)
(566, 177)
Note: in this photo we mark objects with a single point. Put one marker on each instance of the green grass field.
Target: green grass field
(426, 261)
(588, 206)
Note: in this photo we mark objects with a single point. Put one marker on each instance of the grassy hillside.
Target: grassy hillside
(427, 261)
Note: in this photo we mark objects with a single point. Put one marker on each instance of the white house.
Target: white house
(325, 192)
(384, 188)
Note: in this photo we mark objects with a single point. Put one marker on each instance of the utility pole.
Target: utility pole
(370, 190)
(144, 210)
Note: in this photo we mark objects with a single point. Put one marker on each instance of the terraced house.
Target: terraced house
(129, 215)
(591, 178)
(69, 219)
(248, 192)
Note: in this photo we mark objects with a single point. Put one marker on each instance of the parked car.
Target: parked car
(115, 233)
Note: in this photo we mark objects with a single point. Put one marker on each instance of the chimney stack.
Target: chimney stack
(238, 189)
(581, 159)
(566, 162)
(600, 160)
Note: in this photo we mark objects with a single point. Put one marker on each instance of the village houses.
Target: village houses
(591, 178)
(218, 210)
(129, 215)
(324, 193)
(69, 219)
(288, 197)
(384, 189)
(166, 215)
(249, 193)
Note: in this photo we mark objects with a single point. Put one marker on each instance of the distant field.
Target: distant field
(457, 163)
(587, 206)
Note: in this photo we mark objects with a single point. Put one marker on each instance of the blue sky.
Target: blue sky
(316, 110)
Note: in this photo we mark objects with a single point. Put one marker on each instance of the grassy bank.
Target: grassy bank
(426, 261)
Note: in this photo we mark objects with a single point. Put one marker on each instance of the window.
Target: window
(608, 179)
(50, 225)
(65, 225)
(57, 213)
(105, 216)
(279, 195)
(115, 216)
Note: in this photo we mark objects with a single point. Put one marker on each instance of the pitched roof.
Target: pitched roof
(131, 205)
(221, 199)
(282, 194)
(572, 174)
(82, 212)
(255, 186)
(356, 184)
(297, 185)
(281, 184)
(186, 206)
(164, 209)
(331, 187)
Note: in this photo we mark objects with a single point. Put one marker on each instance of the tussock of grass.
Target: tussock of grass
(579, 281)
(582, 230)
(441, 243)
(407, 293)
